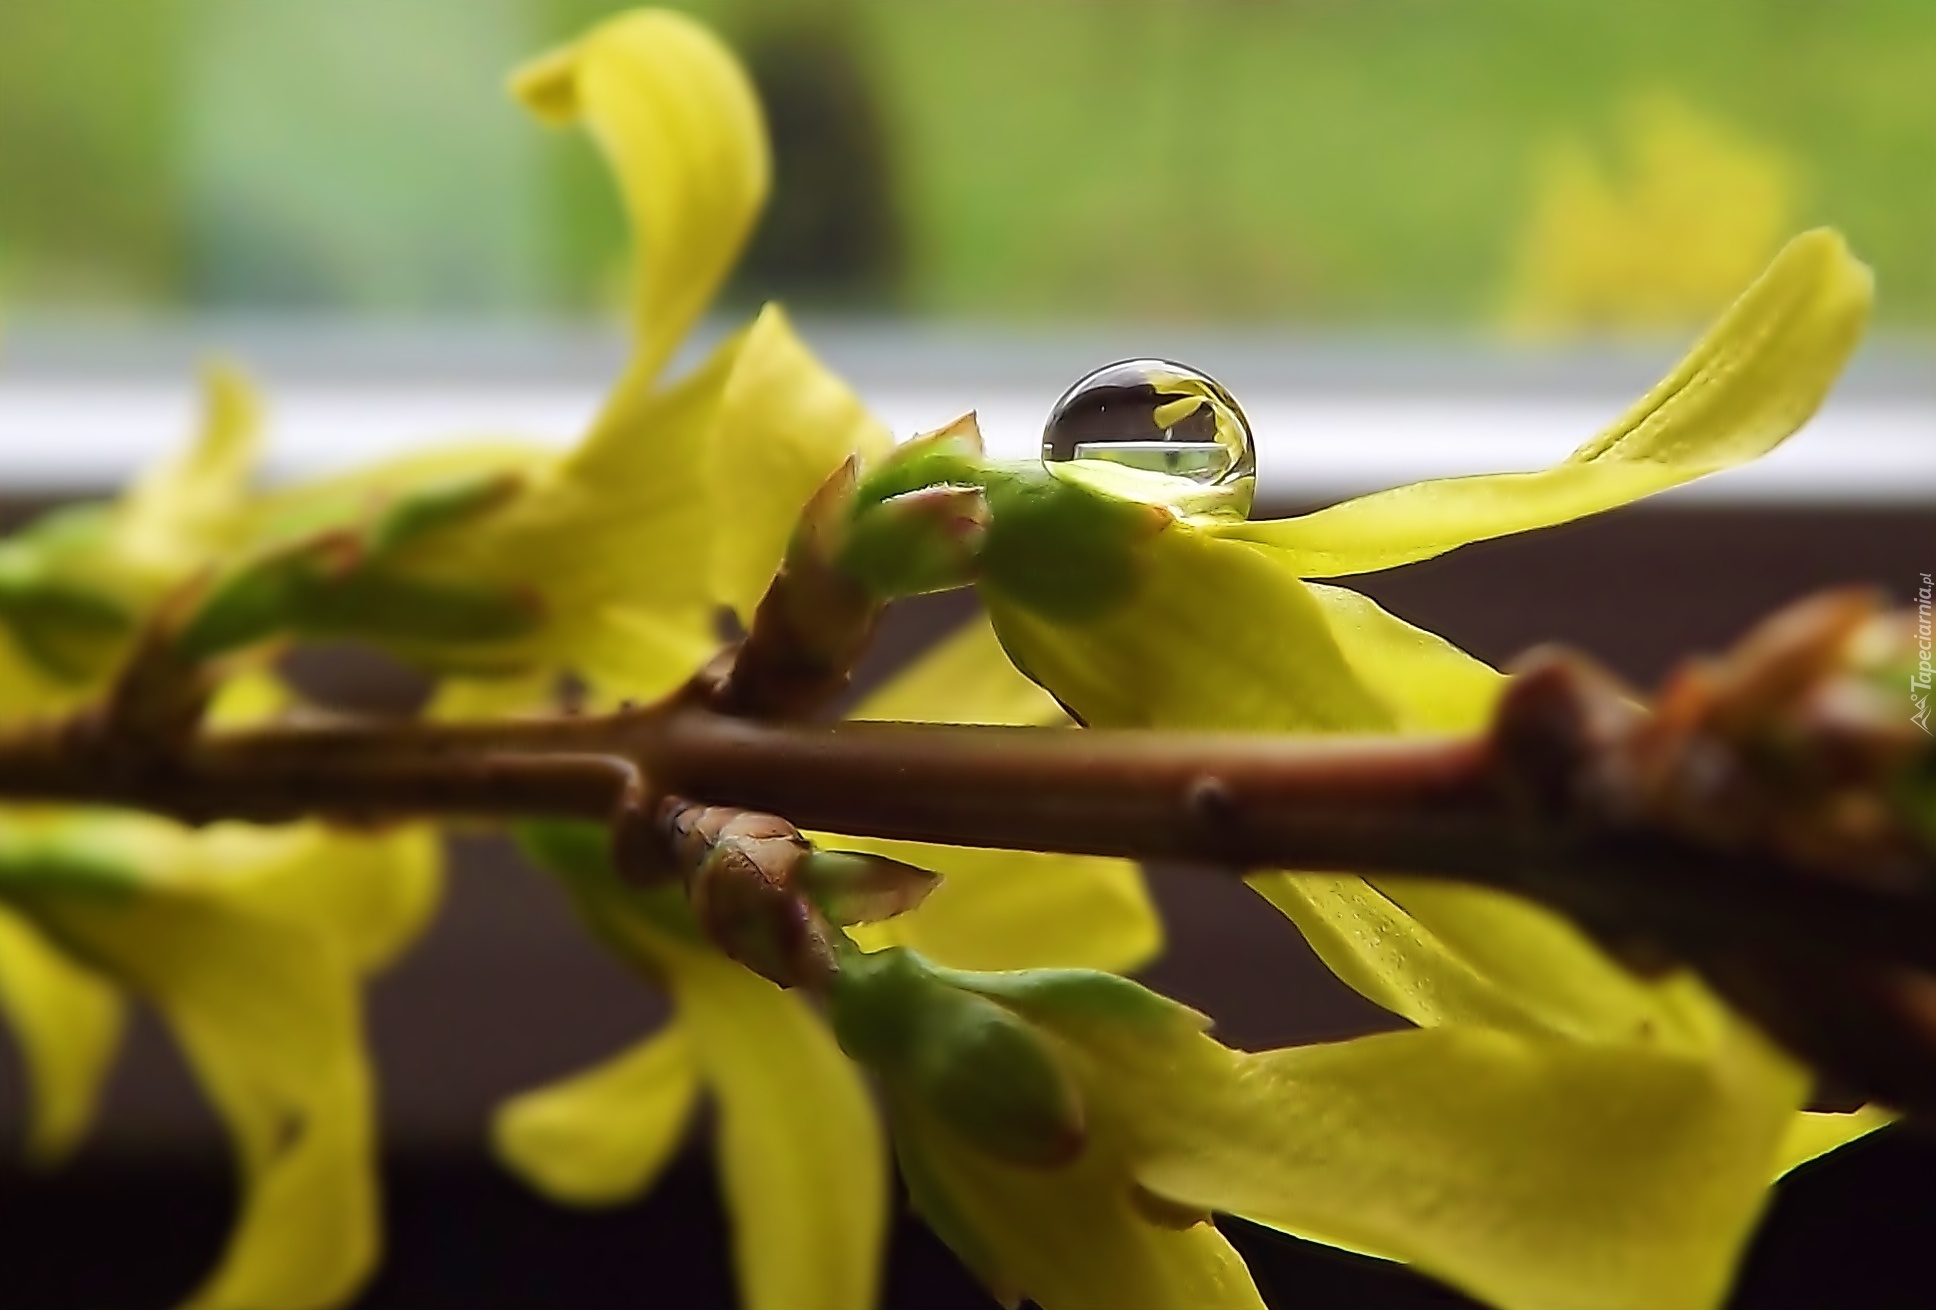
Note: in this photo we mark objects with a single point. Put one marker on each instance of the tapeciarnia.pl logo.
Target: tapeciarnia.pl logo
(1919, 680)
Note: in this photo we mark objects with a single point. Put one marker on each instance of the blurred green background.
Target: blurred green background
(1515, 165)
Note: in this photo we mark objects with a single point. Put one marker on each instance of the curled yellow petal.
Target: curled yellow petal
(680, 125)
(67, 1023)
(1760, 372)
(185, 508)
(602, 1136)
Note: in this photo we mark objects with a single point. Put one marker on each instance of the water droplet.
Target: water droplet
(1175, 433)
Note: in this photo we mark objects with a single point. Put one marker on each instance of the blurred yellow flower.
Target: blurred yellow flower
(75, 584)
(248, 943)
(679, 499)
(1686, 215)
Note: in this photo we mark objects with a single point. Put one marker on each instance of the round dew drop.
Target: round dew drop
(1158, 417)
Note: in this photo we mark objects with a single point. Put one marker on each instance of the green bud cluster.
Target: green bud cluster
(937, 514)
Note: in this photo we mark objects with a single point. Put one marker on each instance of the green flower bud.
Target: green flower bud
(1060, 547)
(918, 541)
(67, 857)
(69, 632)
(949, 456)
(972, 1063)
(66, 619)
(938, 514)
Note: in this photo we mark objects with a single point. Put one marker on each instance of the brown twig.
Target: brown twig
(1576, 797)
(1449, 807)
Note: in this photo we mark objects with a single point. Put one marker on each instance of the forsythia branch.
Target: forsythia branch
(1741, 825)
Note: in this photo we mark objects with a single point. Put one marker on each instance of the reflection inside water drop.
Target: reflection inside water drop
(1160, 418)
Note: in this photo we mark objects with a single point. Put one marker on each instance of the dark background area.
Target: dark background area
(505, 993)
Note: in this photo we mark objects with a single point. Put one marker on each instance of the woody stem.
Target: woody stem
(1444, 807)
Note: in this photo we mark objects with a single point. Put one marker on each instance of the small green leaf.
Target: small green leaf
(853, 887)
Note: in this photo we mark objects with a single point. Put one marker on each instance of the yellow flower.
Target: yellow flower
(1070, 1133)
(74, 584)
(1211, 625)
(1693, 212)
(248, 943)
(800, 1153)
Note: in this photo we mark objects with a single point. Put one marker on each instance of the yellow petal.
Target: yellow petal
(1811, 1135)
(800, 1151)
(1534, 1174)
(602, 1136)
(1218, 635)
(26, 689)
(1437, 954)
(965, 678)
(457, 699)
(67, 1024)
(786, 423)
(680, 126)
(1070, 1238)
(266, 1015)
(1756, 377)
(616, 533)
(1018, 909)
(1003, 909)
(1428, 684)
(373, 894)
